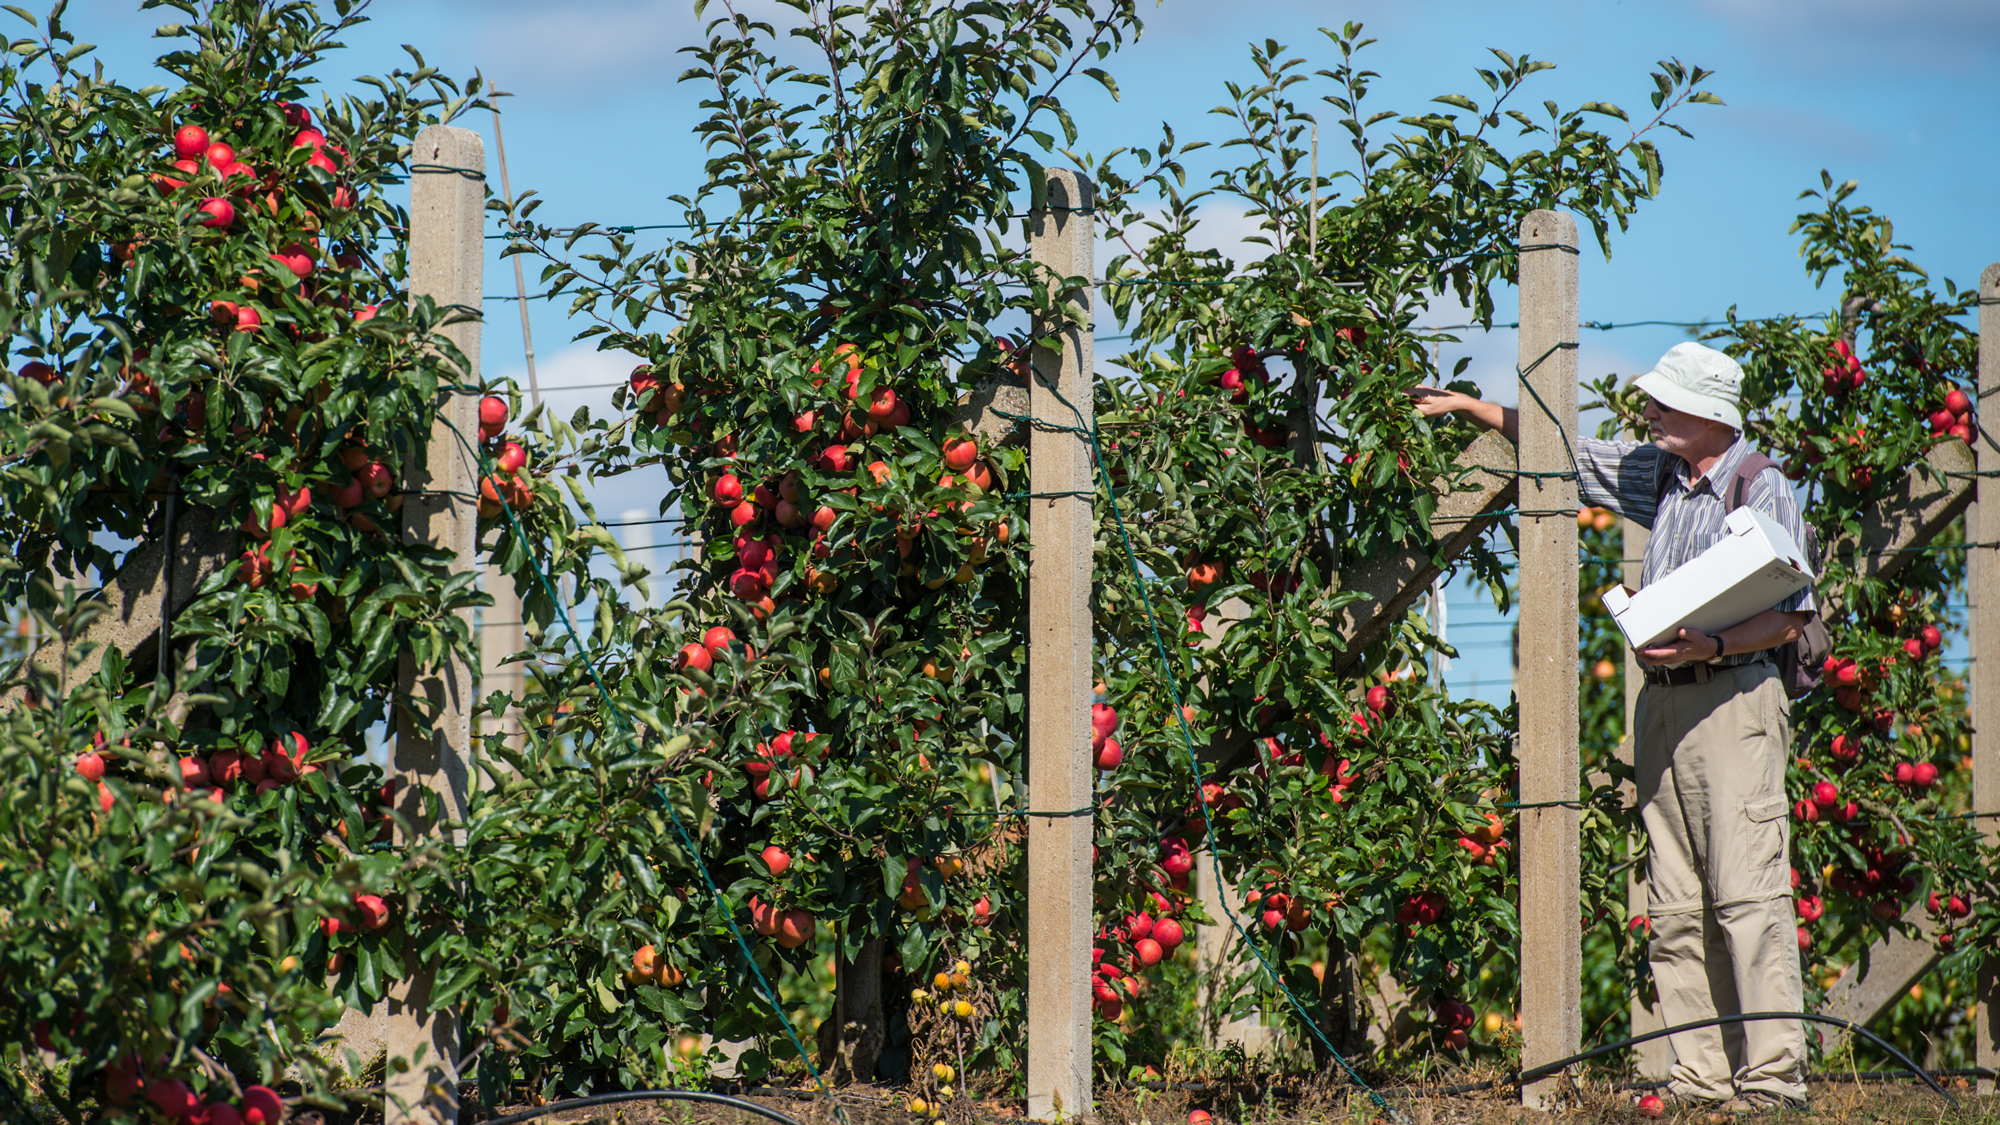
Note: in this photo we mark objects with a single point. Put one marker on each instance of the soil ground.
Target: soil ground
(1832, 1103)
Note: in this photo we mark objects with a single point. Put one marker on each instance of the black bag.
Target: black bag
(1801, 663)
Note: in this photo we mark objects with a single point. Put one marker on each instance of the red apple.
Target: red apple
(219, 155)
(90, 764)
(1933, 639)
(248, 319)
(1923, 775)
(1826, 794)
(727, 490)
(374, 912)
(795, 928)
(297, 258)
(377, 479)
(349, 495)
(695, 657)
(1109, 755)
(225, 767)
(261, 1106)
(1103, 720)
(220, 213)
(1957, 401)
(175, 1101)
(881, 404)
(1650, 1105)
(960, 453)
(512, 458)
(718, 638)
(190, 142)
(1168, 933)
(1148, 951)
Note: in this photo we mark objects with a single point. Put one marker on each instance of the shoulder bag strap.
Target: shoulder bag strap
(1746, 471)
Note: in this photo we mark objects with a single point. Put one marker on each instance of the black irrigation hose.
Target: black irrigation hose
(647, 1095)
(1850, 1076)
(1547, 1069)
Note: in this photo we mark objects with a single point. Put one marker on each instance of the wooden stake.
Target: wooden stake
(1551, 940)
(1982, 525)
(501, 633)
(1312, 219)
(520, 281)
(1061, 238)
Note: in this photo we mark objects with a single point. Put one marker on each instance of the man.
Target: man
(1712, 737)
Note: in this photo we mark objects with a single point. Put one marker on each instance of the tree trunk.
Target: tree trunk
(1343, 1017)
(852, 1040)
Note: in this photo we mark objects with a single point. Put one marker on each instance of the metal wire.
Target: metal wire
(647, 1095)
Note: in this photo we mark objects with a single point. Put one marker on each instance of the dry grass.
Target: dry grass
(1326, 1103)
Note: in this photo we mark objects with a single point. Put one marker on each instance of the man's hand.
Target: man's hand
(1432, 403)
(1690, 645)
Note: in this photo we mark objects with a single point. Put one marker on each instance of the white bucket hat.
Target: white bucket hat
(1697, 380)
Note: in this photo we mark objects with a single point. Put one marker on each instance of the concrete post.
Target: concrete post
(1982, 525)
(433, 751)
(1216, 946)
(1059, 667)
(1654, 1057)
(500, 636)
(1551, 938)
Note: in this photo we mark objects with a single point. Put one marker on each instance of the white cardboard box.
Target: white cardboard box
(1754, 567)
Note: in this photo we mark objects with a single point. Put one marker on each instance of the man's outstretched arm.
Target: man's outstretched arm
(1432, 402)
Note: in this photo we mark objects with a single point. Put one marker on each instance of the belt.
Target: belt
(1691, 673)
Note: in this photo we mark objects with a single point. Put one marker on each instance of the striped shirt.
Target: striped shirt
(1688, 517)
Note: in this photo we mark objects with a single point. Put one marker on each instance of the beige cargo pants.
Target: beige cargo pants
(1710, 764)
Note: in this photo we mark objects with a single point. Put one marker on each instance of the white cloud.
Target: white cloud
(588, 48)
(1865, 38)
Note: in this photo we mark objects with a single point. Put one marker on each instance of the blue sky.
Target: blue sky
(1887, 94)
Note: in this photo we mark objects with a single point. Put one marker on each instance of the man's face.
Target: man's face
(1682, 434)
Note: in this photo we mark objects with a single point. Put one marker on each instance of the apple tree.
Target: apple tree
(1264, 457)
(845, 655)
(214, 352)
